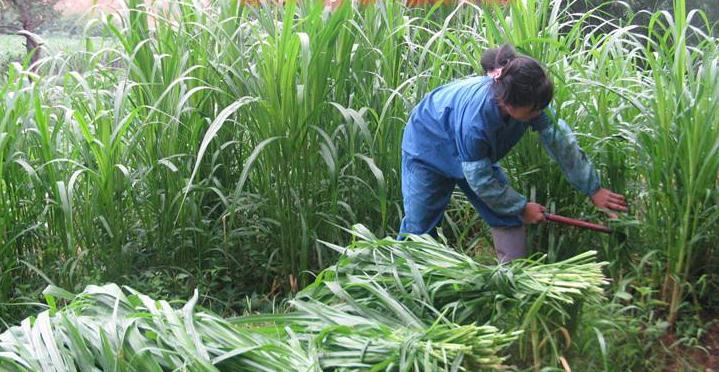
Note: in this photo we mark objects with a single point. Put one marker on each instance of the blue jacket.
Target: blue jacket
(458, 130)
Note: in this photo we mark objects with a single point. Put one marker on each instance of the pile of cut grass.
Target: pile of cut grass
(387, 305)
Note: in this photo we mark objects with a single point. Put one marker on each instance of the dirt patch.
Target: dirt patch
(704, 357)
(710, 359)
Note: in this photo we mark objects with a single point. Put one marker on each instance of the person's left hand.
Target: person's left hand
(608, 201)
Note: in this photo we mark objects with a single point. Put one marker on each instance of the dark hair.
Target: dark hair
(523, 82)
(494, 58)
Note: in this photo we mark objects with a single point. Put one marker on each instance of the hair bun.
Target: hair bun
(505, 55)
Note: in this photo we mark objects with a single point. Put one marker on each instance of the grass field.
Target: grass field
(229, 148)
(12, 48)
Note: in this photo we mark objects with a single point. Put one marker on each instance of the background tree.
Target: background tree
(25, 17)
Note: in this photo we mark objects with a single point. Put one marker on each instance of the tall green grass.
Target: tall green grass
(680, 148)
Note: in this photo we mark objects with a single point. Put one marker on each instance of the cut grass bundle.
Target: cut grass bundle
(345, 337)
(427, 274)
(431, 280)
(106, 328)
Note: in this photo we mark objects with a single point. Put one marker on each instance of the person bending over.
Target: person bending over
(459, 132)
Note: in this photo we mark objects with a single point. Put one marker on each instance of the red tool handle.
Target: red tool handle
(577, 223)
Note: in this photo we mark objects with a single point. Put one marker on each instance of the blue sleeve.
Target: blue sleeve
(474, 153)
(501, 198)
(561, 145)
(542, 122)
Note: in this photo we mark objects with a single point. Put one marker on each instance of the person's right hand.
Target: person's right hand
(533, 213)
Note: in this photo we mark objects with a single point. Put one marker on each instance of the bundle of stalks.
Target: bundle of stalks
(430, 279)
(346, 338)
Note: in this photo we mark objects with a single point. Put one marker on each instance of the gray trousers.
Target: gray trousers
(510, 242)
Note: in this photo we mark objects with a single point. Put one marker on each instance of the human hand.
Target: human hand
(533, 213)
(608, 201)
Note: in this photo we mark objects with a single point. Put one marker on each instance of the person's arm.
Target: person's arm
(501, 198)
(561, 145)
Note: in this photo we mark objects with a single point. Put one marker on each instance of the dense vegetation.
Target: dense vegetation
(213, 147)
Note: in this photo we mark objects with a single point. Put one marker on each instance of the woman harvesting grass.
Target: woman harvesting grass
(459, 131)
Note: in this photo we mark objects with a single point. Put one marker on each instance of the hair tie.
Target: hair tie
(495, 74)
